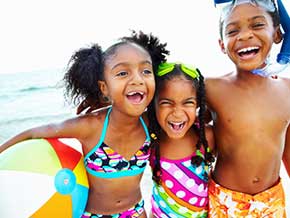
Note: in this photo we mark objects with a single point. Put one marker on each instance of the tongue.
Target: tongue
(136, 98)
(175, 127)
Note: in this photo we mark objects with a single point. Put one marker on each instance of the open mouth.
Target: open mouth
(177, 126)
(248, 52)
(135, 97)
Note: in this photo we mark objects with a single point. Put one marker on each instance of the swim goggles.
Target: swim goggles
(165, 68)
(227, 6)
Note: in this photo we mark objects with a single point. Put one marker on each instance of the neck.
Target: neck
(189, 137)
(249, 78)
(120, 120)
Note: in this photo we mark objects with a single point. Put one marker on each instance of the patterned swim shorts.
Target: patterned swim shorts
(225, 203)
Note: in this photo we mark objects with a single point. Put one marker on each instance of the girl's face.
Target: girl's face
(175, 106)
(248, 35)
(129, 80)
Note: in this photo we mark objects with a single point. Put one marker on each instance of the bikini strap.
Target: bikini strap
(104, 130)
(145, 129)
(105, 126)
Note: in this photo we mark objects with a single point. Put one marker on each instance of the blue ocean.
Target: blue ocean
(30, 99)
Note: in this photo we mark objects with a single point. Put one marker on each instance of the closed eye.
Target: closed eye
(258, 25)
(231, 32)
(190, 103)
(164, 102)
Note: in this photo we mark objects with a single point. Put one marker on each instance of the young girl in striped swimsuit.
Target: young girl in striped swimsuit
(181, 148)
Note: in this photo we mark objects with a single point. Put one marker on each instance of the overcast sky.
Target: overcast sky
(38, 35)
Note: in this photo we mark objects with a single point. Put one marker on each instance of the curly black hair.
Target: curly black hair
(86, 66)
(155, 128)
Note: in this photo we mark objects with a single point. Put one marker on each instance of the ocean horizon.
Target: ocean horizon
(30, 99)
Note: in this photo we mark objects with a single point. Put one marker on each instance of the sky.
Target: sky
(42, 35)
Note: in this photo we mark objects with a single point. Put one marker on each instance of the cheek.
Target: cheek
(160, 115)
(192, 114)
(151, 85)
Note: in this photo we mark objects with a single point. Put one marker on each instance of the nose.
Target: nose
(177, 111)
(245, 34)
(137, 78)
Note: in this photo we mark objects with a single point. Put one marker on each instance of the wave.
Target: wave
(35, 88)
(6, 94)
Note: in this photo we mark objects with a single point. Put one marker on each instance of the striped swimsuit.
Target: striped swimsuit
(183, 191)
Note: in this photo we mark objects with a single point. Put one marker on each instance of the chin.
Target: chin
(176, 135)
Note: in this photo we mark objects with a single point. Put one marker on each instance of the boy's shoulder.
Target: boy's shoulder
(220, 78)
(217, 82)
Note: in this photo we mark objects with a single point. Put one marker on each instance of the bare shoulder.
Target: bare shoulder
(214, 84)
(286, 81)
(218, 79)
(217, 87)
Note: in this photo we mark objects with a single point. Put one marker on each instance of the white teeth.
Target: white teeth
(134, 93)
(176, 123)
(248, 49)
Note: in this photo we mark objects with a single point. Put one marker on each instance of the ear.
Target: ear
(222, 46)
(278, 35)
(103, 87)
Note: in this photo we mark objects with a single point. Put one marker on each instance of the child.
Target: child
(251, 117)
(181, 148)
(115, 140)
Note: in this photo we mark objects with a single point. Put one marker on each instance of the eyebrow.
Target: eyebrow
(251, 19)
(167, 99)
(127, 63)
(191, 98)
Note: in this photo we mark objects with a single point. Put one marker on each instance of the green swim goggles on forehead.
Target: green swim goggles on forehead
(165, 68)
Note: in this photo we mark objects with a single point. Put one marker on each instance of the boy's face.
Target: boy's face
(248, 35)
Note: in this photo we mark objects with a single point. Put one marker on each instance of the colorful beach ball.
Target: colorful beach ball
(43, 178)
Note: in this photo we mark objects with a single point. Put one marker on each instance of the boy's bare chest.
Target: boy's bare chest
(250, 109)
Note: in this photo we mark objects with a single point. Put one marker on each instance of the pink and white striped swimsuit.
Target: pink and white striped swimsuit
(183, 191)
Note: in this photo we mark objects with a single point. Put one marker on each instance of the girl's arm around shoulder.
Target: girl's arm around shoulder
(79, 127)
(210, 138)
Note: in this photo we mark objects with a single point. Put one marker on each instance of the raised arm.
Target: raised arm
(286, 153)
(72, 128)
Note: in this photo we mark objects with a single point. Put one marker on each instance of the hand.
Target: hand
(89, 106)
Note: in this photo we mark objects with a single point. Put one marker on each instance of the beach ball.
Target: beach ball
(43, 178)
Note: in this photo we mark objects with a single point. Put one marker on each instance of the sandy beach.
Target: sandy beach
(146, 186)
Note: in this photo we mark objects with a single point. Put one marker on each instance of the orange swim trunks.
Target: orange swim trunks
(231, 204)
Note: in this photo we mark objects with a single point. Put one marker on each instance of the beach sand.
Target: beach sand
(146, 186)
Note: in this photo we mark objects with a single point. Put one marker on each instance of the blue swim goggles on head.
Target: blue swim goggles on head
(283, 58)
(165, 68)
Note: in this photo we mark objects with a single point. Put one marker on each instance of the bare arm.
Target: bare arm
(210, 138)
(286, 153)
(72, 128)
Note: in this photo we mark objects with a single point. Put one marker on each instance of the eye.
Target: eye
(190, 103)
(164, 102)
(258, 25)
(231, 32)
(122, 73)
(146, 71)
